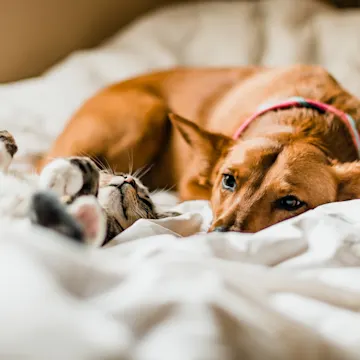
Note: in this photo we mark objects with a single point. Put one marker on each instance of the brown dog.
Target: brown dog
(287, 160)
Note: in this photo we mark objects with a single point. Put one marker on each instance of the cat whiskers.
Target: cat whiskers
(141, 172)
(131, 161)
(102, 167)
(163, 190)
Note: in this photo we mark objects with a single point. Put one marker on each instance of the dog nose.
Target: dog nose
(220, 229)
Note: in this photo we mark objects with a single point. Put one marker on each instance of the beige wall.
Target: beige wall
(34, 34)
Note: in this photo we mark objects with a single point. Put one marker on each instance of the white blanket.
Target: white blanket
(164, 289)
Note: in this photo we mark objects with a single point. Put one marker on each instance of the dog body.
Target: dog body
(286, 161)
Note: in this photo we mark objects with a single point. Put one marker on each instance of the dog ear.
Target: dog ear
(348, 175)
(207, 147)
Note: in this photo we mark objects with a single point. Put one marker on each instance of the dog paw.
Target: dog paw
(70, 177)
(8, 149)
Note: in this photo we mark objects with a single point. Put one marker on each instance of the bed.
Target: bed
(165, 289)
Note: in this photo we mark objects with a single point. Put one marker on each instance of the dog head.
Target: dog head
(255, 183)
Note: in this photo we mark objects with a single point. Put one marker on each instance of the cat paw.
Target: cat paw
(69, 177)
(62, 177)
(88, 213)
(90, 174)
(83, 221)
(8, 149)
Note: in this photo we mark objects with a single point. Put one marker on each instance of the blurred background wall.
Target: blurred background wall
(35, 34)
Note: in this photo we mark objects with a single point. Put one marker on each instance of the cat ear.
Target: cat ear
(88, 213)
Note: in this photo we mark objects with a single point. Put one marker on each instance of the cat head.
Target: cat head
(125, 200)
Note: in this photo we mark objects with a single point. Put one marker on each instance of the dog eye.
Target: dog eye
(290, 203)
(228, 182)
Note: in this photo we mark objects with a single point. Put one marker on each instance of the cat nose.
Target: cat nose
(130, 180)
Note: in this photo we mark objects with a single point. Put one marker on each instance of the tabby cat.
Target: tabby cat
(73, 197)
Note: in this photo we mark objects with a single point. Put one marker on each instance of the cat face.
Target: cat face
(125, 198)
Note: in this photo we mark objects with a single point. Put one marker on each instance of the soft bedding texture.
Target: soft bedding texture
(164, 289)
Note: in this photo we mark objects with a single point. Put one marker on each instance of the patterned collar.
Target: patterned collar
(301, 102)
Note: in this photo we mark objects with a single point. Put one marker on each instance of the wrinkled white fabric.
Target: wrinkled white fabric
(156, 293)
(165, 289)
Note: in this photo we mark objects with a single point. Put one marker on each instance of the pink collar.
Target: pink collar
(301, 102)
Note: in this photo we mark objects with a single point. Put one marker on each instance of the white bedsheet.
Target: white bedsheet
(164, 289)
